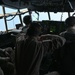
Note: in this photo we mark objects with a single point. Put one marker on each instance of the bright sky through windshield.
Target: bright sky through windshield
(42, 16)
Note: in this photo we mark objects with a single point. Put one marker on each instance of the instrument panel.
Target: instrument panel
(52, 27)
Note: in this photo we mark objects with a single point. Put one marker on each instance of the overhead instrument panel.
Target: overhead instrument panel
(51, 5)
(42, 5)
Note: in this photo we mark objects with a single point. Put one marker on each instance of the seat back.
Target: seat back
(68, 55)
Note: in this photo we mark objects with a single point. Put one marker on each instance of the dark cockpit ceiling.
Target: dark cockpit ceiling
(41, 5)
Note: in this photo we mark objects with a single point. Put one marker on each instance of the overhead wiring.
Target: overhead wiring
(16, 12)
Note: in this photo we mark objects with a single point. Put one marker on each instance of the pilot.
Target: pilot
(30, 51)
(68, 62)
(27, 21)
(69, 34)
